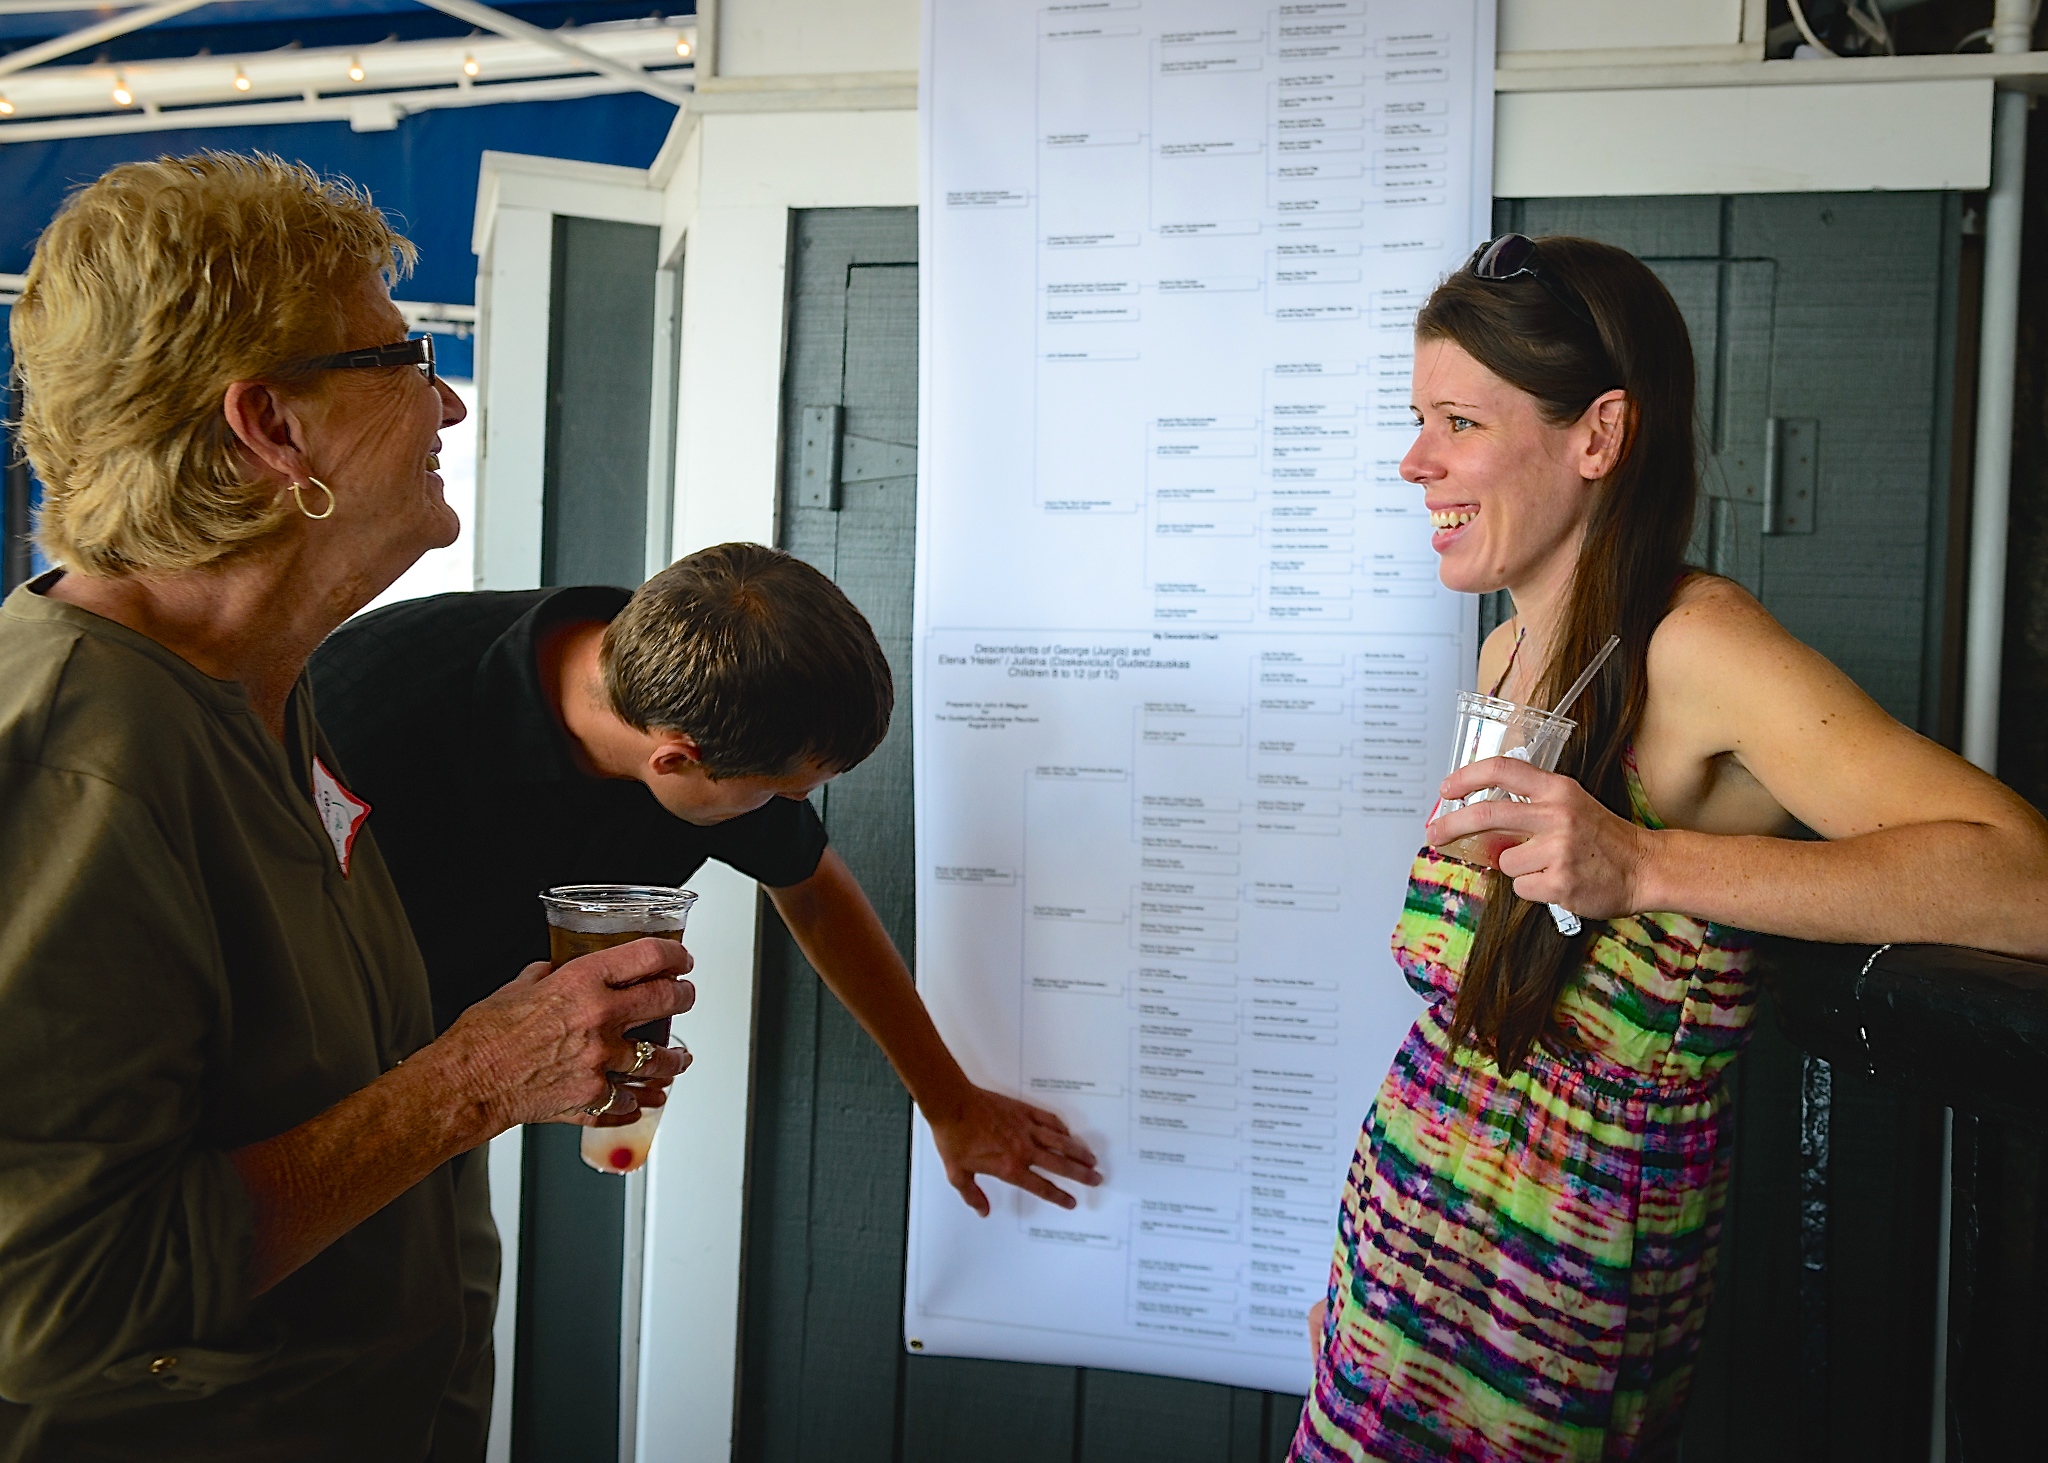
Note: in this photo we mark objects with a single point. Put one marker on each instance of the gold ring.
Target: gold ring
(610, 1101)
(642, 1052)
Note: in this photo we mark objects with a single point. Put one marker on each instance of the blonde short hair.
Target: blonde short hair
(154, 289)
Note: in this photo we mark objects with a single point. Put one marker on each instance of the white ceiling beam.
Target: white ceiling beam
(477, 63)
(92, 35)
(324, 109)
(515, 29)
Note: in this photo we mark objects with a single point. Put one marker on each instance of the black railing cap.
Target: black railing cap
(1966, 1028)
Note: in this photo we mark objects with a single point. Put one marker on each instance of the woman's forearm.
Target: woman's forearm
(1949, 883)
(535, 1048)
(311, 1184)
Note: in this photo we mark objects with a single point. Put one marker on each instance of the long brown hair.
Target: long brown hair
(1629, 567)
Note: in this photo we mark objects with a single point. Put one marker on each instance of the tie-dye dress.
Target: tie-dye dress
(1523, 1264)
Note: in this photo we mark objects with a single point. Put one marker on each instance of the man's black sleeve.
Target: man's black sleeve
(778, 844)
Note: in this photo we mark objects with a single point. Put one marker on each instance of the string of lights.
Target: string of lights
(372, 86)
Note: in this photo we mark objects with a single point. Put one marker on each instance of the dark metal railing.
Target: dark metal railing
(1968, 1030)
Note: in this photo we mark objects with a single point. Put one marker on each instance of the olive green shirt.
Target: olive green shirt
(185, 969)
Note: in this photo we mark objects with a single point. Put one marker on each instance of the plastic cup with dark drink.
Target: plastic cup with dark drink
(586, 918)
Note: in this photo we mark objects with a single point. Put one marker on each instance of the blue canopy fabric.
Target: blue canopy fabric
(423, 173)
(237, 27)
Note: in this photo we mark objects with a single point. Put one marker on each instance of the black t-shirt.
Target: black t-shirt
(436, 710)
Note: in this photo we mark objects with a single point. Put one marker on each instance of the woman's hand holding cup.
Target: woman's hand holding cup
(1562, 845)
(550, 1044)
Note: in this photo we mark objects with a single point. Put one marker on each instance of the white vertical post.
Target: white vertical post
(631, 1285)
(661, 421)
(1990, 508)
(512, 384)
(696, 1180)
(1998, 344)
(506, 1155)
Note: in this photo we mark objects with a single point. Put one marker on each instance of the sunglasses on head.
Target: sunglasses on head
(1512, 256)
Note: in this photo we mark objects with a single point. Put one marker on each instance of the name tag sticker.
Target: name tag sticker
(341, 812)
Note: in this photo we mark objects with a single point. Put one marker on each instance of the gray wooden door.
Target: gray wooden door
(1824, 329)
(824, 1375)
(600, 396)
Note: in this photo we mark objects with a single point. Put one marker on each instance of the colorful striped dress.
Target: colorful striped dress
(1523, 1265)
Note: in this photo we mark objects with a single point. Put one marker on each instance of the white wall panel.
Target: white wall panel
(1758, 139)
(813, 37)
(512, 386)
(1592, 25)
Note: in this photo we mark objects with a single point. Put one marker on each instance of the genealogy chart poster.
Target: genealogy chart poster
(1184, 673)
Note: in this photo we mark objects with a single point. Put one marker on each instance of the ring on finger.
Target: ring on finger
(643, 1052)
(611, 1100)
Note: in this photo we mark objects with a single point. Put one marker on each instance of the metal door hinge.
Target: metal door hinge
(831, 456)
(1791, 474)
(870, 460)
(818, 459)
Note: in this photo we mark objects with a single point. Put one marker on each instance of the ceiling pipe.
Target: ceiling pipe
(92, 35)
(505, 25)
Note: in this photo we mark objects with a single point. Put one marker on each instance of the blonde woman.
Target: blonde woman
(229, 1223)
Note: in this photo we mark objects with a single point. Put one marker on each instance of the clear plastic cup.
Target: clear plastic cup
(585, 918)
(1491, 727)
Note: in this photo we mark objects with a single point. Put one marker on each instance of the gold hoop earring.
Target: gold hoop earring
(316, 517)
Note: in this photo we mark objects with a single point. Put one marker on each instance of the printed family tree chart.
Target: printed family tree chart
(1184, 672)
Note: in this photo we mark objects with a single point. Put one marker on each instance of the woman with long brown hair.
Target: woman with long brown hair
(1527, 1238)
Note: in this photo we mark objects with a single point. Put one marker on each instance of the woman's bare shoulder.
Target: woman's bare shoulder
(1711, 621)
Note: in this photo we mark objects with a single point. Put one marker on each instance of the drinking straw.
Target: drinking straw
(1568, 923)
(1586, 676)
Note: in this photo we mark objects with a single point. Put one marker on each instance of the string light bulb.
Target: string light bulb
(123, 97)
(469, 66)
(242, 82)
(6, 107)
(683, 46)
(355, 68)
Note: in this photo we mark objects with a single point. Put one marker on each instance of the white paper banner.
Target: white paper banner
(1184, 670)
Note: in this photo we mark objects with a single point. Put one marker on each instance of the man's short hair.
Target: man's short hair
(155, 288)
(756, 657)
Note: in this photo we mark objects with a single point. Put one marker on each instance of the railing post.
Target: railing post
(1816, 1113)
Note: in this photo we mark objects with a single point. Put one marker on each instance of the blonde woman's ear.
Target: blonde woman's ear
(264, 428)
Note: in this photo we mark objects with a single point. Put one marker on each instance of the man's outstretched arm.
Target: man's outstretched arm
(977, 1131)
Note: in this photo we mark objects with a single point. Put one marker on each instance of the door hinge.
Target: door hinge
(818, 458)
(1791, 474)
(830, 456)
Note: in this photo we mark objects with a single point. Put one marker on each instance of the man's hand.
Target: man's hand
(999, 1136)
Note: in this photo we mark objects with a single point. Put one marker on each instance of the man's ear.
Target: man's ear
(675, 752)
